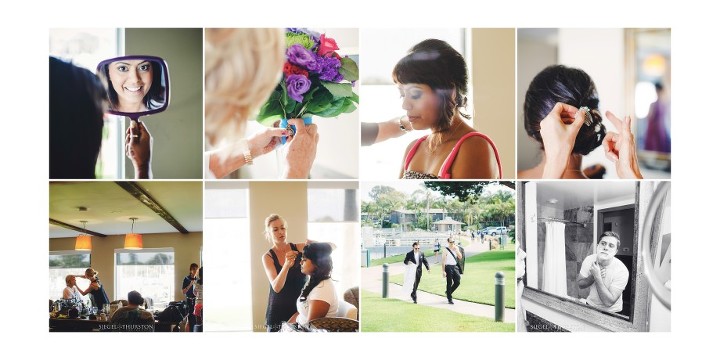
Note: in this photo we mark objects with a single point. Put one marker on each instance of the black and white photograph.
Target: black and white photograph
(596, 256)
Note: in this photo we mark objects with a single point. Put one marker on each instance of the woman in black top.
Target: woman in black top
(95, 289)
(282, 267)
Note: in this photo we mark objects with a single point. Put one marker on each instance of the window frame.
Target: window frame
(140, 251)
(72, 252)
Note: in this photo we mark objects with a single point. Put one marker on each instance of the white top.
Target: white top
(324, 291)
(72, 293)
(616, 276)
(417, 258)
(449, 259)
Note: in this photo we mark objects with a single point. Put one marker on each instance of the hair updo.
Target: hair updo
(435, 63)
(567, 85)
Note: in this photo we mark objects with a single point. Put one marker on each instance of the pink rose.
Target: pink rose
(326, 45)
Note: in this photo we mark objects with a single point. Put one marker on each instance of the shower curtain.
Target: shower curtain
(554, 273)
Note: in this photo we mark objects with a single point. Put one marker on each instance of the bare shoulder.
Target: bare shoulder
(475, 160)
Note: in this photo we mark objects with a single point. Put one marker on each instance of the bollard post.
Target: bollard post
(384, 250)
(499, 296)
(367, 257)
(385, 279)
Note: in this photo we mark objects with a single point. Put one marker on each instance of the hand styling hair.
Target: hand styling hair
(558, 83)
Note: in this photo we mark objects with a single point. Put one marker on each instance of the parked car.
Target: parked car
(494, 230)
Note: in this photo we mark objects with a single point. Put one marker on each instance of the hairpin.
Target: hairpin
(588, 117)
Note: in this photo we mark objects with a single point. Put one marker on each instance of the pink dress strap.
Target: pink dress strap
(412, 151)
(447, 164)
(445, 169)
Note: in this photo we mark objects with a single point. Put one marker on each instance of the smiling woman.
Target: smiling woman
(131, 80)
(136, 85)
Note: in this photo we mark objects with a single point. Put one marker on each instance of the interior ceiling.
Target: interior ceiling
(110, 207)
(570, 195)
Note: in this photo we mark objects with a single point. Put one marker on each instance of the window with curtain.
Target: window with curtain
(63, 263)
(87, 48)
(382, 49)
(226, 223)
(148, 271)
(333, 215)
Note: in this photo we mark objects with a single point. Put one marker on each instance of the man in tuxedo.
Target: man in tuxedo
(418, 258)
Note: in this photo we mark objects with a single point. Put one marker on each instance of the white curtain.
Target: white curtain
(554, 274)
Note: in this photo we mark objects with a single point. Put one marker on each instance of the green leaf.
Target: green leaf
(271, 107)
(338, 90)
(284, 98)
(321, 101)
(355, 98)
(336, 108)
(348, 69)
(269, 121)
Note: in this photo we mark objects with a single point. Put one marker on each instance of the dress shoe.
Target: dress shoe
(451, 302)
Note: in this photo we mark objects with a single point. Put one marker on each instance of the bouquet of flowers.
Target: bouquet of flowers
(316, 80)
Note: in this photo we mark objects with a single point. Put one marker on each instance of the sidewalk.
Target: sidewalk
(372, 281)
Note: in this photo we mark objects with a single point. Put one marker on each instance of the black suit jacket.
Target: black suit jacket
(410, 257)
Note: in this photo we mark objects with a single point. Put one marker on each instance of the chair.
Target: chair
(334, 324)
(353, 297)
(347, 310)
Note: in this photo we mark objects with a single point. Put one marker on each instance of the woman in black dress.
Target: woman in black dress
(282, 267)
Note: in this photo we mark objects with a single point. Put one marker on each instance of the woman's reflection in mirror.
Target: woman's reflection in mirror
(135, 85)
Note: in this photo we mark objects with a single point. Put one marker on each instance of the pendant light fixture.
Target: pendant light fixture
(133, 241)
(83, 242)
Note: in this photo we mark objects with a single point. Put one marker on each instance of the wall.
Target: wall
(533, 56)
(601, 54)
(187, 250)
(288, 199)
(178, 131)
(493, 82)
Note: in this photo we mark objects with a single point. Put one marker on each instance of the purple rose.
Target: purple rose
(328, 69)
(296, 86)
(300, 56)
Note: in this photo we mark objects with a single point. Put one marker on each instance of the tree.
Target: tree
(464, 190)
(378, 190)
(388, 201)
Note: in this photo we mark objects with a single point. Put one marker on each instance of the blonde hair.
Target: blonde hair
(242, 67)
(67, 279)
(91, 271)
(268, 220)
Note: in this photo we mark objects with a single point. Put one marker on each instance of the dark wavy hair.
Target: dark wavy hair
(76, 120)
(200, 276)
(319, 254)
(435, 63)
(155, 97)
(558, 83)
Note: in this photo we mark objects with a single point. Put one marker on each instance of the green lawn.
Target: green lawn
(383, 315)
(478, 282)
(399, 258)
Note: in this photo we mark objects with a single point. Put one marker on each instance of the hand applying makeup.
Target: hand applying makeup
(620, 148)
